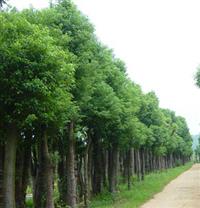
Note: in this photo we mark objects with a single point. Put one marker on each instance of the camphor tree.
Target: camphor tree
(34, 81)
(197, 152)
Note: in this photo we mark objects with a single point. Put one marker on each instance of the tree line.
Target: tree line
(72, 122)
(197, 152)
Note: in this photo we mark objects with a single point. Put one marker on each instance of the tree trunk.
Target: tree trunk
(9, 168)
(86, 171)
(34, 168)
(132, 161)
(71, 197)
(147, 159)
(90, 162)
(62, 177)
(80, 177)
(86, 180)
(44, 179)
(113, 168)
(104, 167)
(154, 163)
(143, 162)
(171, 160)
(18, 180)
(97, 165)
(138, 164)
(121, 163)
(22, 174)
(129, 173)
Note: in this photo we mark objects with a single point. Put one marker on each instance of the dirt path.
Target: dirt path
(183, 192)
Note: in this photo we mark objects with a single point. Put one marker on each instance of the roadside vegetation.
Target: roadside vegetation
(72, 123)
(140, 192)
(197, 152)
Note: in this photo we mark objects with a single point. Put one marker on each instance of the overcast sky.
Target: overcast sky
(159, 40)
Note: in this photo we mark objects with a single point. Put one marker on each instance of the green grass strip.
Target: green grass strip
(140, 191)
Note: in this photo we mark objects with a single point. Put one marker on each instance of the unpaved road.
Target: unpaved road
(183, 192)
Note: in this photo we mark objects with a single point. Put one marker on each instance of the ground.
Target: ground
(183, 192)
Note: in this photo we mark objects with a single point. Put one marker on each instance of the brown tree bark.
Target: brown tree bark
(171, 160)
(44, 180)
(90, 168)
(147, 159)
(97, 165)
(18, 179)
(80, 177)
(151, 161)
(22, 174)
(86, 175)
(34, 169)
(104, 156)
(129, 173)
(132, 161)
(113, 168)
(86, 197)
(142, 153)
(71, 197)
(138, 164)
(62, 177)
(9, 168)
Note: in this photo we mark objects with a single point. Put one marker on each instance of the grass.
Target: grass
(29, 203)
(140, 192)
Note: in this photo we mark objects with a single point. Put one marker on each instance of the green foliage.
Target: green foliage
(71, 76)
(35, 72)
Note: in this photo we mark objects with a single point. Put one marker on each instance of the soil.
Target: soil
(183, 192)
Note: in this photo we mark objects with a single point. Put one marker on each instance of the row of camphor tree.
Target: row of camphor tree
(71, 121)
(197, 151)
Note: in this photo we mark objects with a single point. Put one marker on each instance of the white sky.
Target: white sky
(159, 40)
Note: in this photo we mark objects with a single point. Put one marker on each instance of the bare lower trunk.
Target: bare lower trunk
(90, 170)
(129, 155)
(138, 164)
(86, 171)
(113, 168)
(18, 181)
(44, 179)
(171, 161)
(151, 161)
(104, 167)
(34, 168)
(80, 177)
(143, 163)
(147, 159)
(86, 180)
(22, 174)
(9, 168)
(132, 161)
(71, 197)
(97, 165)
(154, 162)
(62, 177)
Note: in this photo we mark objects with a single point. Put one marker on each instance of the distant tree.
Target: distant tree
(197, 151)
